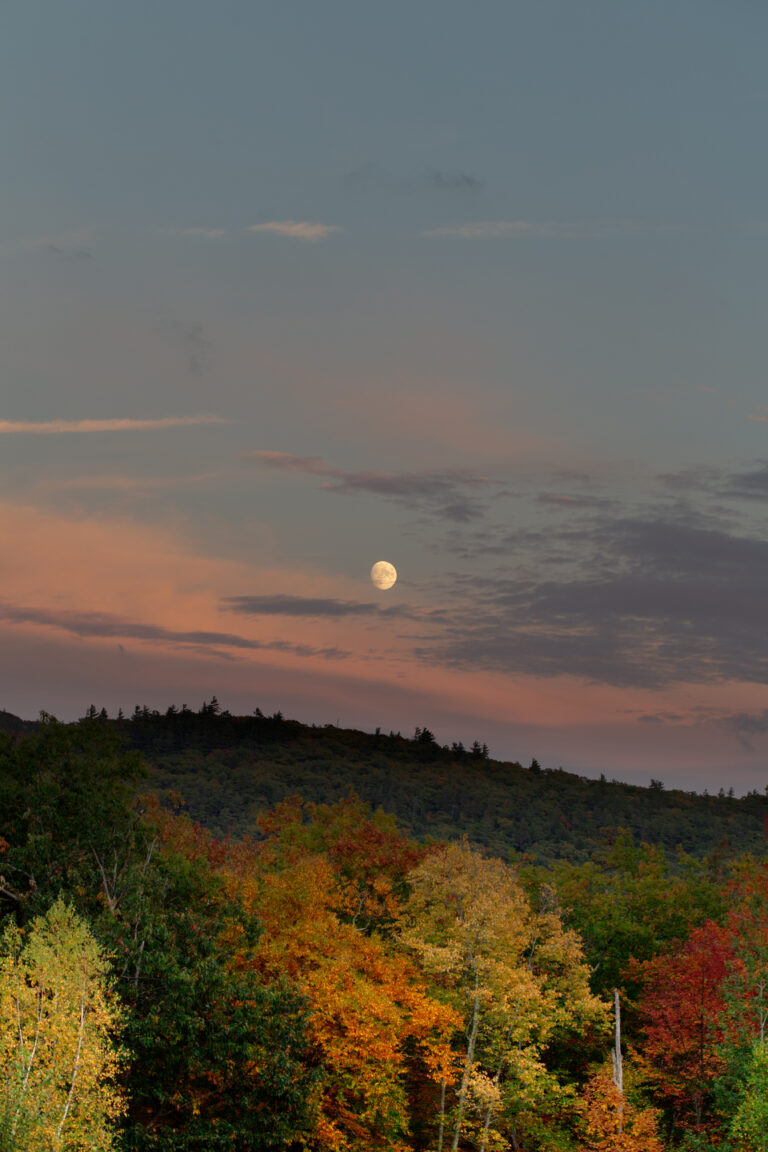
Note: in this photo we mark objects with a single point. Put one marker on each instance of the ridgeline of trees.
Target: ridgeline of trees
(230, 768)
(328, 983)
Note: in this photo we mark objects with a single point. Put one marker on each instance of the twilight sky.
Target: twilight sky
(482, 290)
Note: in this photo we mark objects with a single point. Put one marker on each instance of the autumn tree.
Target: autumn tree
(370, 1016)
(325, 882)
(369, 854)
(681, 1010)
(516, 977)
(611, 1123)
(322, 883)
(746, 990)
(59, 1053)
(743, 1082)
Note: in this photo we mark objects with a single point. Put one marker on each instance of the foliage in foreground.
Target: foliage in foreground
(332, 985)
(59, 1021)
(215, 1057)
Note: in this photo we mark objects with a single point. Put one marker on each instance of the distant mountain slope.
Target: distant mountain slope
(14, 724)
(229, 768)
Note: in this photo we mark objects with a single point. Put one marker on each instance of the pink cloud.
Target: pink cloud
(296, 229)
(116, 612)
(118, 581)
(429, 417)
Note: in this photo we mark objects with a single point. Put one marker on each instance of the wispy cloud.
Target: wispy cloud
(287, 462)
(750, 723)
(71, 245)
(641, 602)
(563, 499)
(135, 484)
(448, 492)
(296, 229)
(292, 229)
(56, 427)
(201, 233)
(454, 181)
(108, 625)
(77, 255)
(313, 606)
(748, 484)
(544, 229)
(760, 414)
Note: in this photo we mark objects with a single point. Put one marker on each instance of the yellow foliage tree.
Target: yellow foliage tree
(58, 1053)
(515, 974)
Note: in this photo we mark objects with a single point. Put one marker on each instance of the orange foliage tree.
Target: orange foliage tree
(610, 1123)
(370, 1014)
(326, 881)
(368, 853)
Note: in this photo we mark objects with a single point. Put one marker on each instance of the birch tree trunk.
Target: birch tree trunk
(468, 1062)
(442, 1118)
(618, 1069)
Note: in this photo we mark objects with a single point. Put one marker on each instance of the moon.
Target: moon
(383, 574)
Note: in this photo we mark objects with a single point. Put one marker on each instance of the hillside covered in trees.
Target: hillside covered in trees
(230, 768)
(330, 982)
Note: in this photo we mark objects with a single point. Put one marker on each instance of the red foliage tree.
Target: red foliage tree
(747, 923)
(682, 1008)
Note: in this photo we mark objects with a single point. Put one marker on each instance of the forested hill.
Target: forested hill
(229, 768)
(14, 725)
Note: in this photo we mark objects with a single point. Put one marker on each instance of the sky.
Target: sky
(290, 288)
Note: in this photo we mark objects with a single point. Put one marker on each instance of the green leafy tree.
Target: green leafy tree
(65, 815)
(750, 1124)
(215, 1058)
(219, 1055)
(630, 903)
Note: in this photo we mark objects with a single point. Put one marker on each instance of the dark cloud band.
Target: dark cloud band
(104, 625)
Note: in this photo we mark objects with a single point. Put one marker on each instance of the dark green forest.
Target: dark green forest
(229, 768)
(223, 932)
